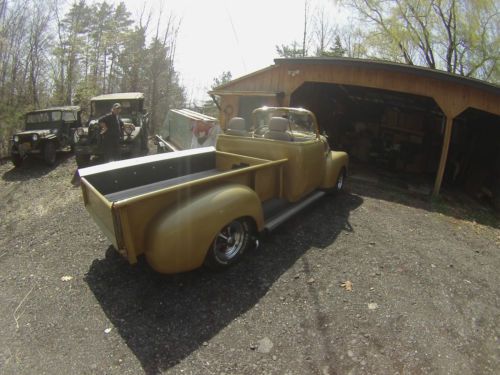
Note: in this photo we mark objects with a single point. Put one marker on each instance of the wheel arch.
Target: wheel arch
(336, 161)
(178, 239)
(50, 138)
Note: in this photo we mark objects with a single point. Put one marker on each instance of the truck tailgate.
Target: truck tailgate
(101, 210)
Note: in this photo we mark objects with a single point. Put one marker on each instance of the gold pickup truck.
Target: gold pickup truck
(188, 208)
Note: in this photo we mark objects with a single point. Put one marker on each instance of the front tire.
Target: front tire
(49, 153)
(17, 160)
(339, 185)
(230, 244)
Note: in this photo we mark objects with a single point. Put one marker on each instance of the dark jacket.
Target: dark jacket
(114, 125)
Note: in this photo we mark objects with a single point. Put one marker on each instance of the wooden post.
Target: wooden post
(444, 155)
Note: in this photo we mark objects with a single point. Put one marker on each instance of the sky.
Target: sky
(239, 36)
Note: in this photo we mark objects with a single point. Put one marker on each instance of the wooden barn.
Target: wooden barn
(410, 120)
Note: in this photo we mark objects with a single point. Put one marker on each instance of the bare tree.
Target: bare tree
(459, 36)
(38, 43)
(162, 79)
(324, 31)
(306, 23)
(293, 50)
(353, 41)
(48, 56)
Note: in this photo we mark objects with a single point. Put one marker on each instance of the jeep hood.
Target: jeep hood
(41, 132)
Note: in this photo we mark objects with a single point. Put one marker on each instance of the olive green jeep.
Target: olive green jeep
(134, 138)
(46, 131)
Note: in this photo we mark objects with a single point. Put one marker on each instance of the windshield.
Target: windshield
(35, 118)
(300, 123)
(102, 107)
(41, 120)
(69, 116)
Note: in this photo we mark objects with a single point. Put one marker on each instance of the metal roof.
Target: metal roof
(62, 108)
(366, 64)
(119, 96)
(395, 67)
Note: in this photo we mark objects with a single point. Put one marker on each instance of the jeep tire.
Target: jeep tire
(17, 160)
(49, 153)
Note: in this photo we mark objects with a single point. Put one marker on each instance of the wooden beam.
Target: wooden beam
(444, 155)
(244, 93)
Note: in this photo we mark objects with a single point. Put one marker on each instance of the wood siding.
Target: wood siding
(452, 97)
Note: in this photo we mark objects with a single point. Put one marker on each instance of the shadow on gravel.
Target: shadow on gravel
(33, 168)
(453, 204)
(163, 319)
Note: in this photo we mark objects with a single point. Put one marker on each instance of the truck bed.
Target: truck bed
(143, 189)
(123, 197)
(122, 180)
(133, 174)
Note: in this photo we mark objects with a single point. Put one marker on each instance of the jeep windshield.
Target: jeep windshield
(299, 123)
(48, 119)
(102, 107)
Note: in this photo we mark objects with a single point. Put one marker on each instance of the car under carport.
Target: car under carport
(425, 126)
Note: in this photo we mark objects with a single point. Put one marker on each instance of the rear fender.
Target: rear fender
(178, 240)
(335, 161)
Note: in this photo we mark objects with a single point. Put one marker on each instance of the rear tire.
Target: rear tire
(230, 244)
(49, 153)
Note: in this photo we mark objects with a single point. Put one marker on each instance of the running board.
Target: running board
(290, 211)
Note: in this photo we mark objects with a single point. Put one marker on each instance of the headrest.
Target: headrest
(278, 124)
(236, 123)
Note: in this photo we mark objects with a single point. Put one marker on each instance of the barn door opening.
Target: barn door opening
(387, 134)
(473, 163)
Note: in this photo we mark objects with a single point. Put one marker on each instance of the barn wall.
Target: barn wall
(452, 96)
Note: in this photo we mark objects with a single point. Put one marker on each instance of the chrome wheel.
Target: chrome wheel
(230, 241)
(229, 244)
(340, 180)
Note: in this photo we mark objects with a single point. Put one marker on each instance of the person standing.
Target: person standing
(111, 132)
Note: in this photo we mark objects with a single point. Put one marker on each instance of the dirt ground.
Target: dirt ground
(425, 295)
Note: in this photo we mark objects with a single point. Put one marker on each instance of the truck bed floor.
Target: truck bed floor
(143, 189)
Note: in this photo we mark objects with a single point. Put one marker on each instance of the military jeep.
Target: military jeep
(46, 131)
(134, 138)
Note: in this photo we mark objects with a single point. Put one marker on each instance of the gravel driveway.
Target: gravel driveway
(371, 281)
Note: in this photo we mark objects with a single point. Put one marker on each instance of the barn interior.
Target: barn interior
(474, 157)
(400, 136)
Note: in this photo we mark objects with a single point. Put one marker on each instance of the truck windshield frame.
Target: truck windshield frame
(301, 122)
